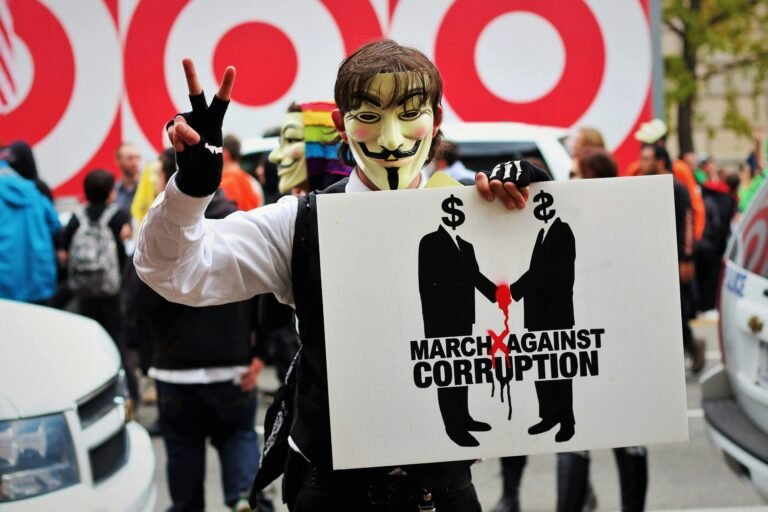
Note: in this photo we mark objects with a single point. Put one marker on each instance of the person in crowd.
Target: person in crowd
(300, 150)
(146, 191)
(756, 158)
(751, 182)
(447, 159)
(574, 491)
(307, 154)
(654, 159)
(96, 262)
(206, 368)
(19, 156)
(706, 171)
(238, 185)
(692, 161)
(721, 206)
(388, 99)
(128, 161)
(584, 139)
(28, 267)
(655, 133)
(135, 336)
(266, 171)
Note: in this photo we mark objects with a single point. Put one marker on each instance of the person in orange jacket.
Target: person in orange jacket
(655, 132)
(239, 186)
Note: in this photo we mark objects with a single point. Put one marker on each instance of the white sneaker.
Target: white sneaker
(242, 506)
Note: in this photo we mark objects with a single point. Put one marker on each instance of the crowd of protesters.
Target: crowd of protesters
(204, 362)
(146, 328)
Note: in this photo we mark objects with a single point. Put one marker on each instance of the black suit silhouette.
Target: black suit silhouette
(448, 277)
(547, 288)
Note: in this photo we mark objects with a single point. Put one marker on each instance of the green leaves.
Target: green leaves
(717, 38)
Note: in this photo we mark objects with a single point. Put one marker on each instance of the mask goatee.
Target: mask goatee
(393, 177)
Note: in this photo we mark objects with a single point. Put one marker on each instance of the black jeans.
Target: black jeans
(105, 310)
(351, 490)
(191, 413)
(573, 478)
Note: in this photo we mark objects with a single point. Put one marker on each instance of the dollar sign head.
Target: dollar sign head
(455, 216)
(542, 211)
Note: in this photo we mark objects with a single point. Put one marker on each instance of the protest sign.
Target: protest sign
(457, 329)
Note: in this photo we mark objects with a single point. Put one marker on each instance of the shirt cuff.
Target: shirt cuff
(180, 208)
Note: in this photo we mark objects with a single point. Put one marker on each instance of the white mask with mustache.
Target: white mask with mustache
(390, 145)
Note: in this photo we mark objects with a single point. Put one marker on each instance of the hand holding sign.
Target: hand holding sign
(509, 182)
(197, 135)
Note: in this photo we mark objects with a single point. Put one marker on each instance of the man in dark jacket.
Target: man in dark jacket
(206, 370)
(720, 205)
(655, 160)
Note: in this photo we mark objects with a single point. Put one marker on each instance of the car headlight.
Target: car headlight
(123, 396)
(36, 457)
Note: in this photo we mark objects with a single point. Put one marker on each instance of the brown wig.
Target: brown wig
(386, 56)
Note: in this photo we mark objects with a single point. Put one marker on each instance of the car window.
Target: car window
(479, 156)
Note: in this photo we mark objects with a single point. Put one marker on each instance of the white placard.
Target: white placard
(410, 377)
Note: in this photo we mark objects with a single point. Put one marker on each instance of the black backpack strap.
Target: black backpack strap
(302, 246)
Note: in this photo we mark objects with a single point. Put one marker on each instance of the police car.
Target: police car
(735, 393)
(67, 441)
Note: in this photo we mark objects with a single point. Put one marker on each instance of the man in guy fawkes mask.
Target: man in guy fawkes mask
(389, 121)
(388, 117)
(306, 156)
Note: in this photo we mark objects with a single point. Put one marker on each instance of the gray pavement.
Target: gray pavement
(685, 476)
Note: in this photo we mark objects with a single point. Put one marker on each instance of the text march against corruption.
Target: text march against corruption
(541, 356)
(465, 330)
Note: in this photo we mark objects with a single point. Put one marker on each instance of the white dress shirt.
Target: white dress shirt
(192, 260)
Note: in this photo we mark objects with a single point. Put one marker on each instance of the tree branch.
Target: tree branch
(674, 28)
(735, 64)
(725, 15)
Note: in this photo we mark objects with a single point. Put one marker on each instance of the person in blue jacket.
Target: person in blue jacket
(28, 225)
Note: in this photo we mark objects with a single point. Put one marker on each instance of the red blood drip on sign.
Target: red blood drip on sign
(503, 299)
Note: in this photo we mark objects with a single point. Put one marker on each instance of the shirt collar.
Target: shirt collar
(355, 184)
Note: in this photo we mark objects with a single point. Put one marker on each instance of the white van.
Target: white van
(735, 393)
(67, 441)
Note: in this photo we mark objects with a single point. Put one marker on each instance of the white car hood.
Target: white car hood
(49, 359)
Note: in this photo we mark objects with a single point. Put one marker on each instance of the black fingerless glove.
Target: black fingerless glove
(200, 165)
(520, 172)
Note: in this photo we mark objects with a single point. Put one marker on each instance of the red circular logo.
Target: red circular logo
(54, 74)
(562, 105)
(256, 50)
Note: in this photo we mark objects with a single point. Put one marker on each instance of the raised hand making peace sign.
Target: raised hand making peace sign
(197, 135)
